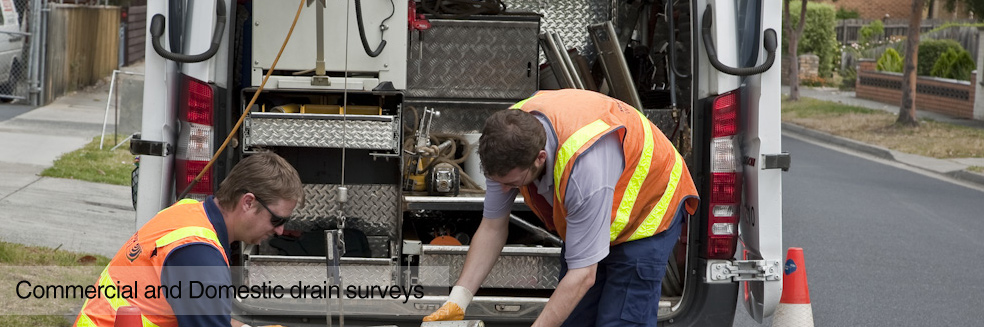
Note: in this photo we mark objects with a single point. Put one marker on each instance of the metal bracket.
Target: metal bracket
(150, 148)
(725, 271)
(774, 161)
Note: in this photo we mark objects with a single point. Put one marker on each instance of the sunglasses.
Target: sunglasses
(275, 220)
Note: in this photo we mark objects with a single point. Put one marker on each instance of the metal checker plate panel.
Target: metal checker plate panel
(461, 117)
(522, 271)
(371, 208)
(569, 18)
(492, 59)
(287, 273)
(351, 133)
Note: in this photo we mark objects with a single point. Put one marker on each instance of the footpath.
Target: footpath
(61, 213)
(954, 168)
(96, 218)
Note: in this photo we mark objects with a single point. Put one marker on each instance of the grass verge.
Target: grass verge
(94, 165)
(42, 266)
(930, 139)
(976, 169)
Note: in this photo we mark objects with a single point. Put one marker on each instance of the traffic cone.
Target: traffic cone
(128, 316)
(794, 308)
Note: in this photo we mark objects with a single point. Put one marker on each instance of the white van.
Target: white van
(11, 46)
(393, 69)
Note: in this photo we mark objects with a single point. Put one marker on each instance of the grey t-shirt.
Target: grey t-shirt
(590, 190)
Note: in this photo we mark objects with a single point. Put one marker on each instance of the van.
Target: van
(11, 48)
(361, 86)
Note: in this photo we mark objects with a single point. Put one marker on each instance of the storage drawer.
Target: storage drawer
(517, 268)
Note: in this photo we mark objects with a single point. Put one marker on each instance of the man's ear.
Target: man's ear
(541, 157)
(246, 201)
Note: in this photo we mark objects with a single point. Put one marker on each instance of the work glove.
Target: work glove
(454, 308)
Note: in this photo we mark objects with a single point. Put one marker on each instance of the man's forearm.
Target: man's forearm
(569, 292)
(486, 245)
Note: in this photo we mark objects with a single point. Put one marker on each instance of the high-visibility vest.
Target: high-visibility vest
(653, 183)
(141, 260)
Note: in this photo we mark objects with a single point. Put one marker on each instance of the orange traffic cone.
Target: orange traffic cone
(794, 306)
(128, 316)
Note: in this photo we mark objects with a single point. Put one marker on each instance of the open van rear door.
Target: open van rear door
(760, 226)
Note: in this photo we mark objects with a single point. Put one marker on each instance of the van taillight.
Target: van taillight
(725, 194)
(196, 116)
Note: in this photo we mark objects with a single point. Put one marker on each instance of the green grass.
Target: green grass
(931, 139)
(94, 165)
(41, 265)
(976, 169)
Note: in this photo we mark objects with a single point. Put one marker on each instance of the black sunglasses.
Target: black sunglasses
(277, 221)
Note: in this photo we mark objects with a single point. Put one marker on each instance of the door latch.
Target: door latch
(725, 271)
(149, 148)
(774, 161)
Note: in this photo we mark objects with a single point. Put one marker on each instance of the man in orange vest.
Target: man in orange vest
(598, 172)
(184, 250)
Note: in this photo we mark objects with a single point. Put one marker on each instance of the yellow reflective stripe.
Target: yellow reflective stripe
(114, 302)
(117, 301)
(519, 105)
(649, 226)
(183, 201)
(571, 145)
(183, 232)
(635, 183)
(84, 320)
(146, 322)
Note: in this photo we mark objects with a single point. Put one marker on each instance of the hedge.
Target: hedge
(930, 51)
(818, 37)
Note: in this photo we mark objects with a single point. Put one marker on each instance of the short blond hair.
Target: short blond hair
(268, 176)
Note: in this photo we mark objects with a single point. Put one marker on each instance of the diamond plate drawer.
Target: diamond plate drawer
(373, 208)
(288, 271)
(517, 267)
(321, 131)
(459, 117)
(475, 59)
(569, 18)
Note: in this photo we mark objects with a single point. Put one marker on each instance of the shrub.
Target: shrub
(871, 32)
(930, 51)
(954, 64)
(818, 37)
(890, 61)
(850, 78)
(847, 13)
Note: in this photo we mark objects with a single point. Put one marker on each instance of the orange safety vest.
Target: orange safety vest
(141, 261)
(653, 183)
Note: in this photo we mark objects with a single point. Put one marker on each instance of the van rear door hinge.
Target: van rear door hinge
(725, 271)
(149, 148)
(774, 161)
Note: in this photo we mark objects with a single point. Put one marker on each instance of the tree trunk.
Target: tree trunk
(907, 111)
(793, 38)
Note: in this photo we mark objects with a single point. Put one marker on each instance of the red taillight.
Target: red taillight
(198, 98)
(186, 172)
(196, 116)
(725, 194)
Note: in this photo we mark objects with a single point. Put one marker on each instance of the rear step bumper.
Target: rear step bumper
(492, 308)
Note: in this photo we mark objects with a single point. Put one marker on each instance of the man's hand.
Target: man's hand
(448, 311)
(454, 308)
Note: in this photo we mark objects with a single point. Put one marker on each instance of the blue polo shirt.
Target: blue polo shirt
(181, 266)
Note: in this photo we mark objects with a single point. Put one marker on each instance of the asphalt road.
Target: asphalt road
(884, 245)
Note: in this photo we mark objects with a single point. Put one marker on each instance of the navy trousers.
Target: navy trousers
(627, 285)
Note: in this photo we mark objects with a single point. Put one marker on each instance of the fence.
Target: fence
(16, 38)
(82, 47)
(965, 35)
(848, 30)
(134, 34)
(946, 96)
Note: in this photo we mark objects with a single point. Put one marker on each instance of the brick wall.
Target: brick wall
(945, 96)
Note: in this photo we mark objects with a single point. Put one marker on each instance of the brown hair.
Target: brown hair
(266, 175)
(510, 139)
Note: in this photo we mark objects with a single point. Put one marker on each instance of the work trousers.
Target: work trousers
(628, 281)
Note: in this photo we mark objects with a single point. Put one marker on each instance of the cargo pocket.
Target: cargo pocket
(640, 294)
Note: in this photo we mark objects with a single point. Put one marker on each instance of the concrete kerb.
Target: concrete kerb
(924, 163)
